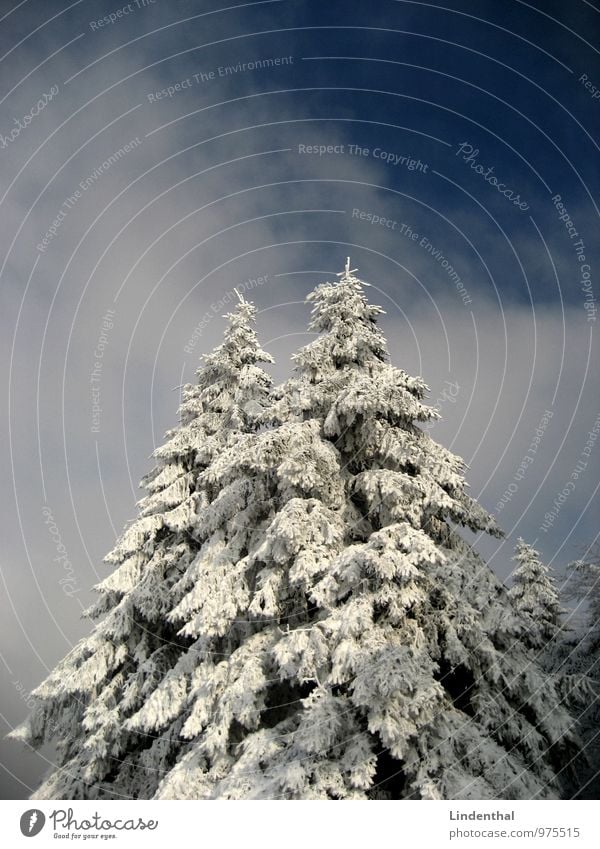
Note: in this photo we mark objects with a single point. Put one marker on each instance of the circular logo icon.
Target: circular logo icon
(32, 822)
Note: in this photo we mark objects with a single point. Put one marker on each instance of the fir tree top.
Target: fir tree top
(348, 321)
(534, 594)
(229, 380)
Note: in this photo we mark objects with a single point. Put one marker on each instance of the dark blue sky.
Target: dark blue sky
(155, 155)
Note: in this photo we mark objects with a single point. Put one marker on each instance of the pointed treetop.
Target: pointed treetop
(534, 594)
(348, 321)
(240, 342)
(347, 273)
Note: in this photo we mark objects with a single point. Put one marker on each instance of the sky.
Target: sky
(155, 155)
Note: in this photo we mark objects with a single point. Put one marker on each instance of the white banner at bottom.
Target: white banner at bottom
(297, 825)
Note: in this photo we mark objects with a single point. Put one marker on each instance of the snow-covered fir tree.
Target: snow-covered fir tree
(580, 656)
(389, 657)
(584, 588)
(330, 634)
(536, 600)
(85, 703)
(535, 596)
